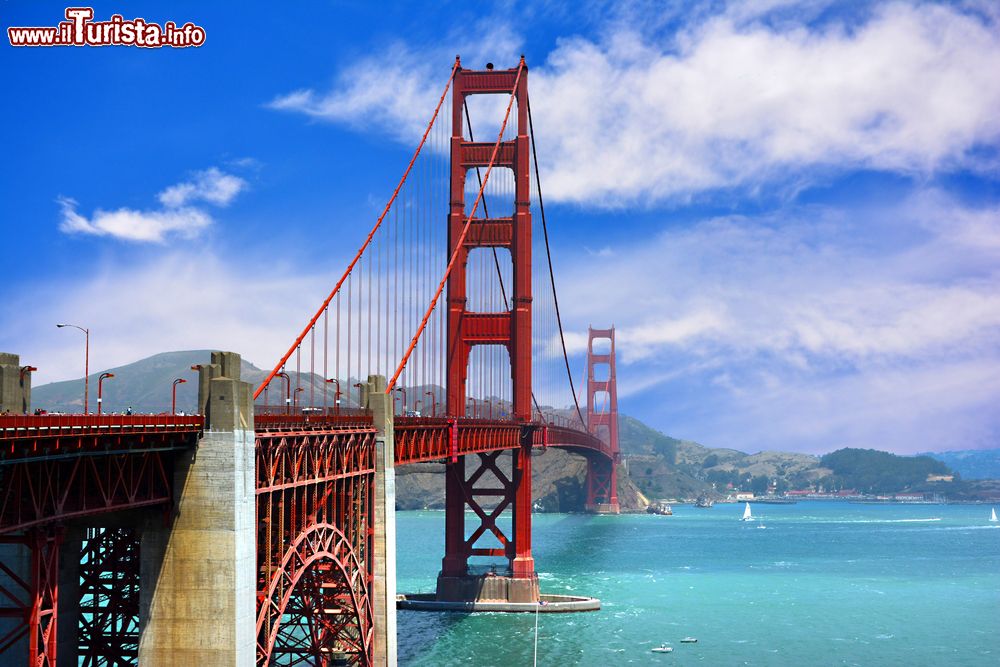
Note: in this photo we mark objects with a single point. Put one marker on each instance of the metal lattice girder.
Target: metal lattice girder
(315, 532)
(34, 492)
(109, 598)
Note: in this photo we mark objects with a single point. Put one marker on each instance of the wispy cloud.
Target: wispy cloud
(728, 100)
(212, 186)
(190, 299)
(783, 322)
(398, 89)
(178, 217)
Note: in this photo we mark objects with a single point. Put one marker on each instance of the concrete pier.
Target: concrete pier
(384, 576)
(15, 385)
(197, 589)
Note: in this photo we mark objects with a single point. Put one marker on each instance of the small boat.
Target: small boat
(703, 501)
(689, 640)
(993, 515)
(663, 648)
(662, 509)
(760, 525)
(746, 513)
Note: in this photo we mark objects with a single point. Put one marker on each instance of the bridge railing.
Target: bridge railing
(14, 427)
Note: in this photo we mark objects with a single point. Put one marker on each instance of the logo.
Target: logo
(79, 29)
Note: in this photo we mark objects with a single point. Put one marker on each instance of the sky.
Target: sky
(790, 211)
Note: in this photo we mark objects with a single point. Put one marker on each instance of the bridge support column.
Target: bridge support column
(384, 565)
(488, 491)
(198, 584)
(15, 385)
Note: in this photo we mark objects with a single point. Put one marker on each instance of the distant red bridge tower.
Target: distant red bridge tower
(602, 421)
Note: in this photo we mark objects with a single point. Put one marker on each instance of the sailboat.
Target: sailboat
(993, 515)
(746, 513)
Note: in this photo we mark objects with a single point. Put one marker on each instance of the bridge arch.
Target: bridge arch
(317, 602)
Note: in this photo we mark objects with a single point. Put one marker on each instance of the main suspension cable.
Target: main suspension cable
(548, 255)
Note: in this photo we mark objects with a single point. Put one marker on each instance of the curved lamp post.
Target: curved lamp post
(433, 402)
(86, 365)
(403, 391)
(288, 390)
(173, 395)
(336, 394)
(100, 389)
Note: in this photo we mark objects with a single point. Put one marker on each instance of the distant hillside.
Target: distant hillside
(657, 465)
(145, 386)
(872, 471)
(971, 463)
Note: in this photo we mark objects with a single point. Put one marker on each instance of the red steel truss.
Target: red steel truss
(602, 482)
(511, 329)
(315, 534)
(32, 600)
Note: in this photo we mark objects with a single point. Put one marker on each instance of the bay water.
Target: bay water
(815, 583)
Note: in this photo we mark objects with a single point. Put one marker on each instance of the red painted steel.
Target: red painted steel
(511, 329)
(315, 495)
(32, 601)
(602, 480)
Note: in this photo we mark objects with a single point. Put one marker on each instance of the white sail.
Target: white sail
(746, 513)
(993, 515)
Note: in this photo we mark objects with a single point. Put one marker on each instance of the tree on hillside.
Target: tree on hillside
(873, 471)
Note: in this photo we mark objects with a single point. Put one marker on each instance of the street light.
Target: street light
(86, 365)
(100, 388)
(295, 401)
(433, 402)
(336, 394)
(358, 386)
(288, 390)
(403, 390)
(173, 392)
(472, 413)
(416, 406)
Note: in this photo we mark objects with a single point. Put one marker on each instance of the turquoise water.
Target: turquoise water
(825, 583)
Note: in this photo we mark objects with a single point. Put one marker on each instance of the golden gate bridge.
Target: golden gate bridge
(260, 530)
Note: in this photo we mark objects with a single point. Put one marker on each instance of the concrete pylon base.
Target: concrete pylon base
(547, 604)
(604, 508)
(487, 588)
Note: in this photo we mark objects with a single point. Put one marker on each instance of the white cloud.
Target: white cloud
(730, 100)
(399, 89)
(177, 301)
(132, 225)
(177, 218)
(808, 328)
(213, 186)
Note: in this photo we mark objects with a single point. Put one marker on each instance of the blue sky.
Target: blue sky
(790, 210)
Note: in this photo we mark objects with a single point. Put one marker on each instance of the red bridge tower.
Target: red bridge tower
(602, 482)
(511, 329)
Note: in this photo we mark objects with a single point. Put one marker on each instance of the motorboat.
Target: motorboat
(663, 648)
(689, 640)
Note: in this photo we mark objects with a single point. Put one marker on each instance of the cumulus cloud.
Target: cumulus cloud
(178, 217)
(730, 100)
